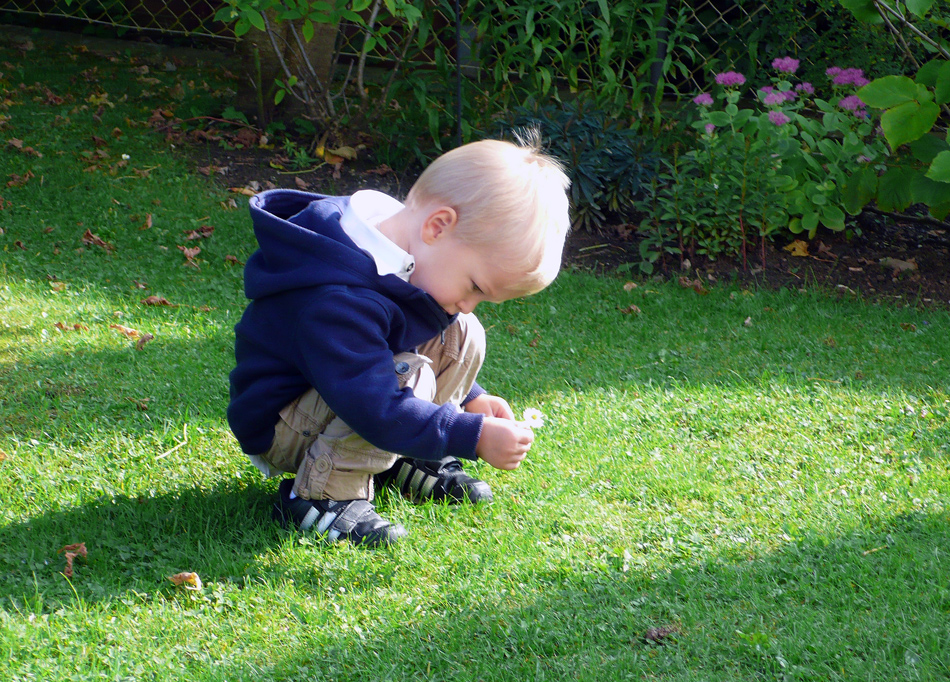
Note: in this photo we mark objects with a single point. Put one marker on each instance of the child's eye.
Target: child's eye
(475, 288)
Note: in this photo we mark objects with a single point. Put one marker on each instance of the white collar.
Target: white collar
(367, 209)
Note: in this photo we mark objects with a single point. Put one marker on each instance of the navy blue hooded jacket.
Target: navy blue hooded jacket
(321, 316)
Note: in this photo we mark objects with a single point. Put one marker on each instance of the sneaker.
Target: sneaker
(420, 480)
(353, 520)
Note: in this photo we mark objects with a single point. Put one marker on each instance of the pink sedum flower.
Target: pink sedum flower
(710, 128)
(807, 88)
(774, 99)
(852, 103)
(703, 99)
(730, 79)
(778, 118)
(785, 65)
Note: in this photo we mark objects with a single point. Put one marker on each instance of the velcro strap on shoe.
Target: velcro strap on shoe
(352, 515)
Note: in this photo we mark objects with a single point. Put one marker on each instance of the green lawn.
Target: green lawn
(746, 485)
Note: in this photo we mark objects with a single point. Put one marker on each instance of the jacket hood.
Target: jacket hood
(302, 245)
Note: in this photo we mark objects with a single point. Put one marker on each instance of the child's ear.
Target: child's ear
(440, 222)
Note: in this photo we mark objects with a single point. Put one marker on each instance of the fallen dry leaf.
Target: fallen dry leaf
(19, 180)
(190, 254)
(629, 286)
(631, 310)
(3, 455)
(141, 342)
(233, 260)
(148, 222)
(190, 581)
(661, 634)
(140, 285)
(76, 327)
(72, 551)
(694, 284)
(157, 300)
(246, 191)
(90, 239)
(203, 232)
(899, 265)
(127, 331)
(908, 326)
(798, 248)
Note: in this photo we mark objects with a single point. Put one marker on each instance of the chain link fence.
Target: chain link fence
(717, 34)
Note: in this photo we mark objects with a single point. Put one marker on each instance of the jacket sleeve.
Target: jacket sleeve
(343, 351)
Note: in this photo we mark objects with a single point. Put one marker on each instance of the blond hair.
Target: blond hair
(511, 202)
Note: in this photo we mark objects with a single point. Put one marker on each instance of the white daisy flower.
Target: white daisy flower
(533, 418)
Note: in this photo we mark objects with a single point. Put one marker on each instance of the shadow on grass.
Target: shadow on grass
(135, 544)
(872, 603)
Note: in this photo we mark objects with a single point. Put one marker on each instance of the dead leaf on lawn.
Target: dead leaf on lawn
(3, 455)
(148, 222)
(630, 310)
(898, 265)
(246, 191)
(157, 300)
(190, 254)
(798, 248)
(71, 552)
(188, 580)
(908, 326)
(142, 341)
(90, 239)
(19, 180)
(75, 327)
(661, 634)
(126, 331)
(233, 260)
(694, 284)
(140, 285)
(629, 286)
(301, 183)
(203, 232)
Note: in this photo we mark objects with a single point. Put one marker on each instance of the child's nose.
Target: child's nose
(466, 306)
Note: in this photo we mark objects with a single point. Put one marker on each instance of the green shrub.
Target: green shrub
(608, 163)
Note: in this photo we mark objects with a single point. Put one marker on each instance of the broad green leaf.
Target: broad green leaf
(719, 118)
(919, 7)
(940, 168)
(923, 190)
(940, 211)
(908, 122)
(942, 84)
(242, 26)
(307, 30)
(795, 226)
(604, 10)
(810, 221)
(927, 74)
(927, 147)
(863, 10)
(742, 117)
(360, 5)
(832, 217)
(256, 19)
(893, 190)
(859, 190)
(279, 96)
(887, 92)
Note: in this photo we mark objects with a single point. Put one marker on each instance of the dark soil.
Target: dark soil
(903, 259)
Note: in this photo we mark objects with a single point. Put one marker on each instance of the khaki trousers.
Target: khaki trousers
(331, 461)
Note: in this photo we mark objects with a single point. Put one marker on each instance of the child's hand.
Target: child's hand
(490, 406)
(504, 443)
